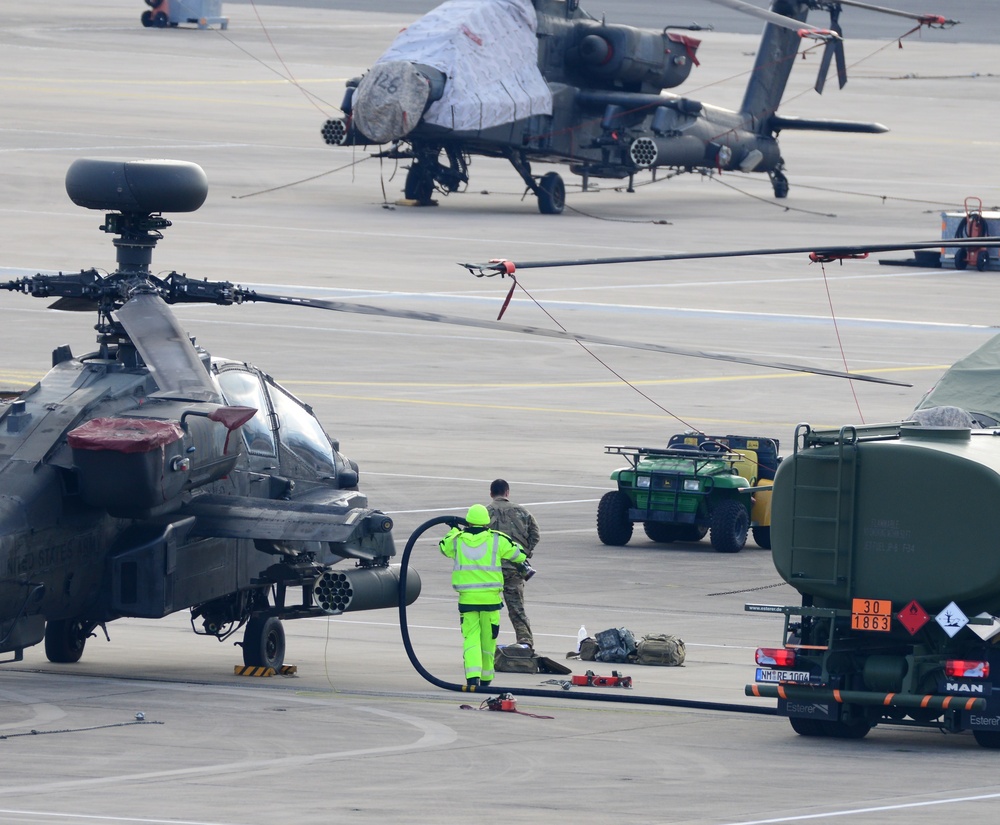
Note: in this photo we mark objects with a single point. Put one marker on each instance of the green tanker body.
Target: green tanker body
(889, 533)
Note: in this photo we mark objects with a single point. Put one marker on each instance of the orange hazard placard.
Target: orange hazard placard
(871, 614)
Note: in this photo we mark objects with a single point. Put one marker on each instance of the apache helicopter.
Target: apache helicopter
(545, 81)
(149, 477)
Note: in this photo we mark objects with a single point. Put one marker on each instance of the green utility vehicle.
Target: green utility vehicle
(695, 484)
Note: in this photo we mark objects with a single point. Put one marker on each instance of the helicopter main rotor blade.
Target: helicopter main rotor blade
(927, 19)
(802, 29)
(166, 349)
(413, 315)
(818, 253)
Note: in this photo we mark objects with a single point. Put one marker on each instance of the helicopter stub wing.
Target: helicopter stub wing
(166, 349)
(238, 517)
(413, 315)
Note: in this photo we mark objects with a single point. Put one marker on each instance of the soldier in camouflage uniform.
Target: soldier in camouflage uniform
(520, 525)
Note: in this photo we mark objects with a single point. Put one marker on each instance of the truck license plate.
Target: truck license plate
(769, 675)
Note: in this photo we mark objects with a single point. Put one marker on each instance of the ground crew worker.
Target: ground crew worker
(520, 525)
(478, 578)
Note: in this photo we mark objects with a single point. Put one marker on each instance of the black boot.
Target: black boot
(473, 682)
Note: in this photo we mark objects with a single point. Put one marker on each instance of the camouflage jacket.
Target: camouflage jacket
(516, 522)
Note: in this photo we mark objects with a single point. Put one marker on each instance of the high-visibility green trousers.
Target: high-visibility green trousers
(480, 629)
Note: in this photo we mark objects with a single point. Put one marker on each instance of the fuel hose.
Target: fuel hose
(631, 699)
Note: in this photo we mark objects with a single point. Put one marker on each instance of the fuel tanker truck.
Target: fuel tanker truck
(891, 534)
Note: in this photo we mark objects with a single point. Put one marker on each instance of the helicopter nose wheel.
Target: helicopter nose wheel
(264, 642)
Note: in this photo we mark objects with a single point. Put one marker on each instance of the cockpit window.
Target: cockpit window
(244, 389)
(301, 433)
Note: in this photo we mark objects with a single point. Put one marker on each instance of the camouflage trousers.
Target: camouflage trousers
(513, 598)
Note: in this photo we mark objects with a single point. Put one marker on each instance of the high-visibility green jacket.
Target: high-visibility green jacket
(477, 574)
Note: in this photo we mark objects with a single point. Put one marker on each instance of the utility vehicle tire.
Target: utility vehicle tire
(987, 739)
(762, 537)
(264, 642)
(551, 194)
(661, 531)
(65, 640)
(691, 532)
(419, 184)
(982, 260)
(613, 524)
(730, 523)
(961, 259)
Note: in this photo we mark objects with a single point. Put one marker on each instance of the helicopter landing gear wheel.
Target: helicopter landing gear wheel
(419, 184)
(779, 183)
(551, 194)
(264, 643)
(65, 640)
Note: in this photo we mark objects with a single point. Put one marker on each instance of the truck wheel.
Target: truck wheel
(844, 730)
(987, 738)
(806, 727)
(613, 524)
(730, 523)
(661, 531)
(762, 537)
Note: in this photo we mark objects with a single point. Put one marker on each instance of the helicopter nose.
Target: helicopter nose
(595, 50)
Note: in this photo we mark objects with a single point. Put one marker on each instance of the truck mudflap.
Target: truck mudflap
(819, 695)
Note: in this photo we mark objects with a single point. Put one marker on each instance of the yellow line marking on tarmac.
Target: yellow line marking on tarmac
(644, 382)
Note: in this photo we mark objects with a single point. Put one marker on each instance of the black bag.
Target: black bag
(615, 645)
(660, 649)
(515, 659)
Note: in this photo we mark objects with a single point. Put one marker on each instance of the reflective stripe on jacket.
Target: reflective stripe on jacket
(476, 573)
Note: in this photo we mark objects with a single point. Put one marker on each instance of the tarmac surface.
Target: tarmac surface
(432, 414)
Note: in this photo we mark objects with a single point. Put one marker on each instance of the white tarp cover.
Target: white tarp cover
(489, 52)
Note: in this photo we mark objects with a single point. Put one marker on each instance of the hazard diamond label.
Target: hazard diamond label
(952, 619)
(913, 617)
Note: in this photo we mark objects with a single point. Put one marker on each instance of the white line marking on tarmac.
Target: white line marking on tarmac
(856, 811)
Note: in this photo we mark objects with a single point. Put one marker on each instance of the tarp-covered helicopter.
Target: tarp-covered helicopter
(544, 81)
(148, 477)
